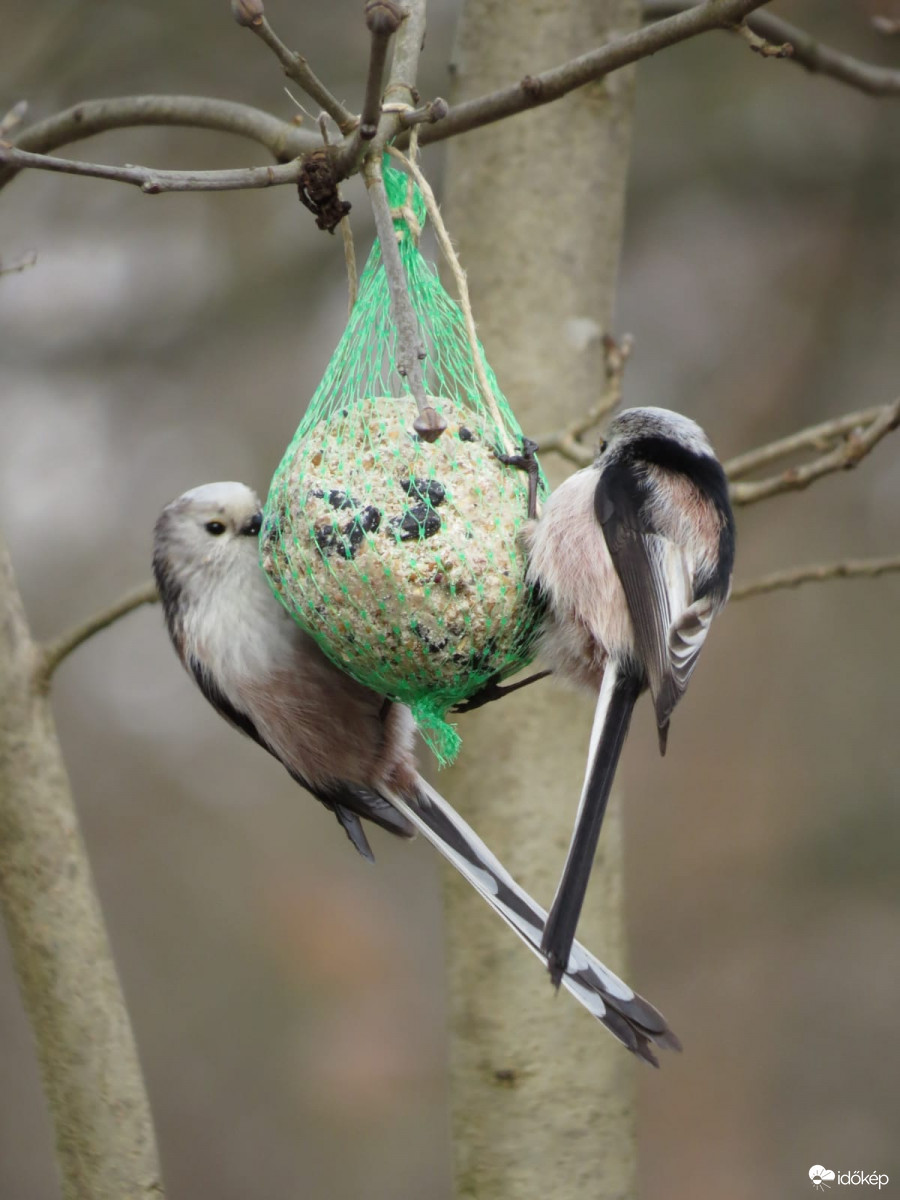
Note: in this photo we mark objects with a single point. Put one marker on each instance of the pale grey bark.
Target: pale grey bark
(104, 1134)
(542, 1097)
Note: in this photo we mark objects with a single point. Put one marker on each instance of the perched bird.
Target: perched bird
(351, 748)
(632, 558)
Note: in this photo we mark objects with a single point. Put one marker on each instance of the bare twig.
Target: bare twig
(346, 236)
(567, 441)
(842, 442)
(401, 88)
(350, 262)
(297, 68)
(152, 181)
(866, 568)
(806, 51)
(282, 139)
(428, 114)
(410, 347)
(679, 21)
(383, 19)
(815, 437)
(855, 443)
(535, 90)
(18, 264)
(404, 68)
(52, 654)
(459, 277)
(759, 45)
(13, 118)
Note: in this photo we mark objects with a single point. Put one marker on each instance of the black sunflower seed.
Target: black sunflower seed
(428, 490)
(418, 522)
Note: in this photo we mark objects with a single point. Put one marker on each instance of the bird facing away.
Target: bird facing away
(632, 557)
(348, 746)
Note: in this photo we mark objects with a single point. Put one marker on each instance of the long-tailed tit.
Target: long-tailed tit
(348, 746)
(633, 558)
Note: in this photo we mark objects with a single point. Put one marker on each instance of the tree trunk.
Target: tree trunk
(104, 1136)
(542, 1097)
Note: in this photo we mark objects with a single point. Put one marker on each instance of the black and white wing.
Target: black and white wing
(657, 585)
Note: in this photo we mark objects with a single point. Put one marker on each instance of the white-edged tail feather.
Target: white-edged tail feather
(618, 693)
(625, 1014)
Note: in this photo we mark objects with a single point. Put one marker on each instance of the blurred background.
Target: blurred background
(288, 999)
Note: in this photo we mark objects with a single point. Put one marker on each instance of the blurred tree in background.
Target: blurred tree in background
(289, 1004)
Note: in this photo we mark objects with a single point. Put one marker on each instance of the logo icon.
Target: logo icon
(820, 1177)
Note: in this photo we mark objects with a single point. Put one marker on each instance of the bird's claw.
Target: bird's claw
(526, 461)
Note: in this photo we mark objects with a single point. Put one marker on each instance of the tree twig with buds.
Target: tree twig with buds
(815, 437)
(251, 14)
(383, 19)
(544, 88)
(843, 443)
(759, 45)
(806, 51)
(853, 442)
(866, 568)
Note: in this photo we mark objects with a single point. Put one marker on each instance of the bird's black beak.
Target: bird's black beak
(253, 526)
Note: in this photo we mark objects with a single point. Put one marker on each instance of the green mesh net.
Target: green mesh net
(399, 556)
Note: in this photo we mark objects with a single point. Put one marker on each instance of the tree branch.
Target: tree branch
(866, 568)
(410, 348)
(567, 441)
(807, 51)
(815, 437)
(284, 140)
(53, 653)
(854, 442)
(535, 90)
(383, 19)
(297, 68)
(153, 181)
(92, 1080)
(845, 442)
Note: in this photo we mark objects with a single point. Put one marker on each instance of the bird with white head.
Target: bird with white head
(348, 746)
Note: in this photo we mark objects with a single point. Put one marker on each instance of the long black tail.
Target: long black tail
(611, 720)
(625, 1014)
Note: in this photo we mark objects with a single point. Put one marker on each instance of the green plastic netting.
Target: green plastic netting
(400, 556)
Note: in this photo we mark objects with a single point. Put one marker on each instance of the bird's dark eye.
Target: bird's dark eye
(253, 526)
(216, 528)
(602, 446)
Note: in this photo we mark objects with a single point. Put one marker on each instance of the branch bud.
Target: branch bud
(383, 17)
(248, 12)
